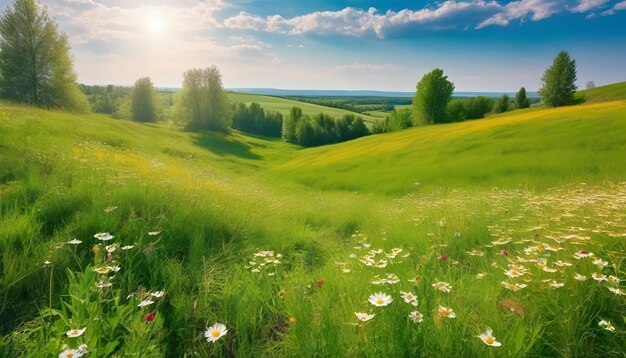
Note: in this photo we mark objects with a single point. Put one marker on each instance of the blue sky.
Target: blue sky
(382, 45)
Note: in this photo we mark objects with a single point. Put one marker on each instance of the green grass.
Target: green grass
(283, 106)
(216, 200)
(603, 93)
(522, 149)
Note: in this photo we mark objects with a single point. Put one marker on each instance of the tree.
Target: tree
(521, 100)
(559, 81)
(431, 98)
(35, 62)
(290, 124)
(590, 85)
(502, 104)
(204, 103)
(143, 101)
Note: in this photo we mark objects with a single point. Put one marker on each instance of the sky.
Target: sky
(482, 45)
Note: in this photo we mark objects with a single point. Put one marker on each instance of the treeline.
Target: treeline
(117, 101)
(359, 104)
(322, 129)
(253, 119)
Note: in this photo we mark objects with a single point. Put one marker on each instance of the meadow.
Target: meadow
(412, 243)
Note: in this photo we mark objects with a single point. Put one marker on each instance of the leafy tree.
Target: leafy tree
(521, 100)
(590, 85)
(502, 104)
(144, 101)
(290, 124)
(255, 120)
(204, 103)
(431, 98)
(559, 81)
(35, 62)
(400, 119)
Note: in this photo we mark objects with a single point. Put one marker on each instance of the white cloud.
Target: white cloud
(617, 7)
(586, 5)
(356, 67)
(358, 22)
(536, 9)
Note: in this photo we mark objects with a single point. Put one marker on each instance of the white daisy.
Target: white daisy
(606, 325)
(145, 303)
(380, 299)
(489, 339)
(445, 312)
(73, 333)
(416, 317)
(104, 236)
(215, 332)
(364, 317)
(74, 242)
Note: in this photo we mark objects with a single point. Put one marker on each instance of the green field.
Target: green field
(603, 93)
(496, 219)
(283, 106)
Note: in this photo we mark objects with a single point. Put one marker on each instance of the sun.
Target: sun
(156, 24)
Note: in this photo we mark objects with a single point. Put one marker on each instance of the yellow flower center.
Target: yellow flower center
(380, 301)
(490, 340)
(215, 333)
(69, 355)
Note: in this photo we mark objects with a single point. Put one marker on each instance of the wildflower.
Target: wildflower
(443, 257)
(606, 325)
(104, 284)
(215, 332)
(73, 333)
(292, 320)
(548, 269)
(563, 263)
(475, 252)
(479, 275)
(416, 317)
(380, 299)
(83, 348)
(114, 268)
(617, 291)
(149, 317)
(555, 284)
(74, 242)
(516, 271)
(70, 353)
(364, 317)
(47, 263)
(415, 279)
(109, 209)
(103, 270)
(600, 263)
(145, 303)
(445, 312)
(489, 339)
(104, 236)
(599, 277)
(504, 252)
(392, 279)
(157, 294)
(457, 234)
(127, 247)
(614, 280)
(345, 270)
(582, 254)
(153, 233)
(319, 282)
(442, 286)
(409, 298)
(580, 277)
(367, 246)
(513, 286)
(111, 248)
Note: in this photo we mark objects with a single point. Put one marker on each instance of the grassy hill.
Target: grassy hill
(528, 148)
(284, 105)
(603, 93)
(223, 225)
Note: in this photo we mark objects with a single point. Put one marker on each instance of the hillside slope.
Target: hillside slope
(283, 106)
(536, 148)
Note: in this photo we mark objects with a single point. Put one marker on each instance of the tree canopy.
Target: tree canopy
(431, 98)
(521, 99)
(144, 101)
(559, 81)
(204, 103)
(35, 62)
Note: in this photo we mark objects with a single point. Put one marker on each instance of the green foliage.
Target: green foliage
(610, 92)
(254, 119)
(397, 120)
(521, 100)
(35, 61)
(203, 103)
(105, 99)
(144, 101)
(460, 109)
(431, 98)
(322, 129)
(559, 81)
(502, 104)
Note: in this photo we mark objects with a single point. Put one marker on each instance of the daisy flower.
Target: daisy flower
(489, 339)
(580, 277)
(600, 263)
(153, 233)
(409, 298)
(73, 333)
(599, 277)
(380, 299)
(157, 294)
(582, 254)
(606, 325)
(445, 312)
(70, 353)
(104, 236)
(613, 279)
(74, 242)
(555, 284)
(416, 317)
(442, 286)
(215, 332)
(479, 275)
(364, 317)
(617, 291)
(512, 286)
(127, 247)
